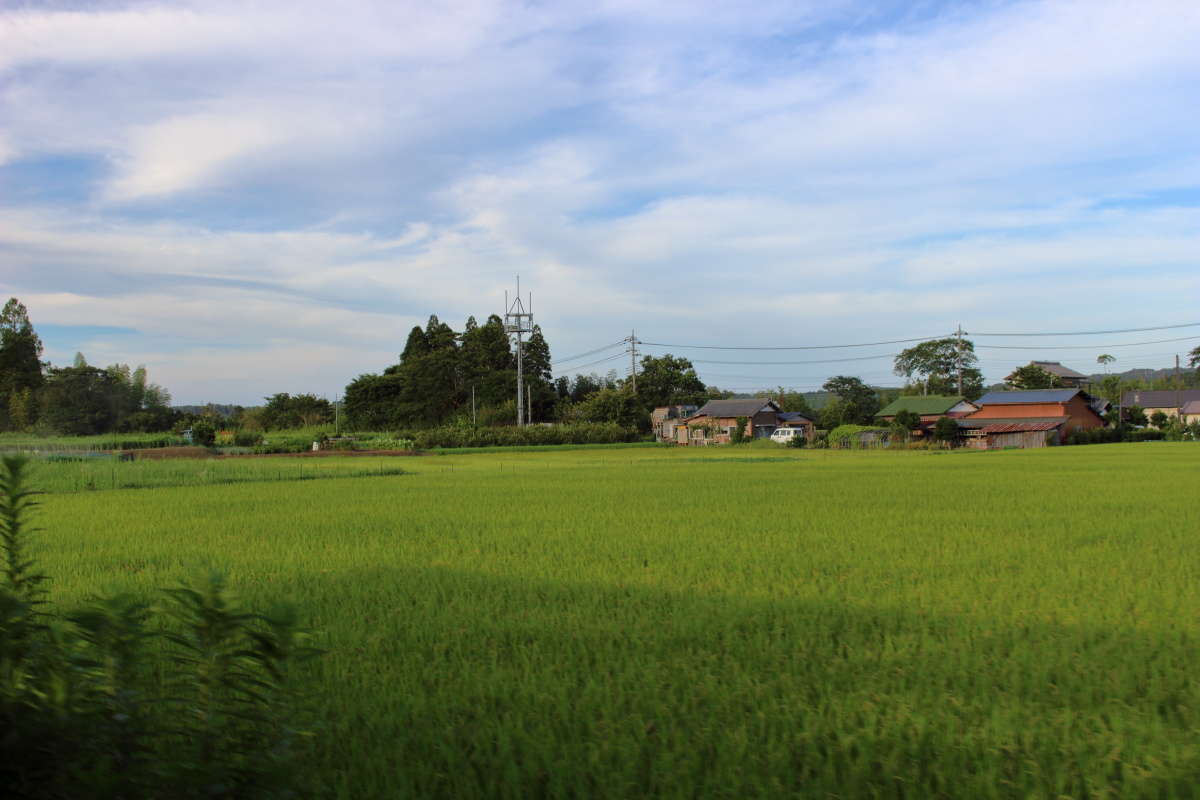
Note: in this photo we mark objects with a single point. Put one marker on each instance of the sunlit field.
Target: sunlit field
(695, 622)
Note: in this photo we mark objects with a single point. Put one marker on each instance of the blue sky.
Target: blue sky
(251, 198)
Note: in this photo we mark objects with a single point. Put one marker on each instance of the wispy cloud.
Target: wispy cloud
(284, 190)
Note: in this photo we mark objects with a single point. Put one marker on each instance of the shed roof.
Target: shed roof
(788, 416)
(1028, 396)
(1163, 398)
(1191, 407)
(1020, 427)
(921, 404)
(969, 422)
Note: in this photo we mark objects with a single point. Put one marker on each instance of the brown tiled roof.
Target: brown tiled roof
(1020, 427)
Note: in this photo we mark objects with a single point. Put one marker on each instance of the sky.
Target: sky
(260, 197)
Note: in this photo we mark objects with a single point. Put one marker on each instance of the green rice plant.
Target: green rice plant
(88, 708)
(658, 621)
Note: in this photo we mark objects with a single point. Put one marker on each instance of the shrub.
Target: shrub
(796, 441)
(204, 434)
(90, 708)
(247, 439)
(578, 433)
(738, 434)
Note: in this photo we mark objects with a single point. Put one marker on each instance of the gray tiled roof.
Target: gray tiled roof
(1163, 398)
(1056, 368)
(742, 407)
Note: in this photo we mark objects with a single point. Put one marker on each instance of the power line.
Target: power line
(1079, 346)
(601, 361)
(805, 347)
(793, 363)
(1097, 333)
(590, 352)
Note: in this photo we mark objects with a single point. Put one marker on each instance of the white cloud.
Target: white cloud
(332, 178)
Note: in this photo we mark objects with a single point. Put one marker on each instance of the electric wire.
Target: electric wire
(595, 363)
(1080, 346)
(589, 353)
(1096, 333)
(804, 347)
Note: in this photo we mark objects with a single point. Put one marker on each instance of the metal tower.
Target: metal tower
(518, 321)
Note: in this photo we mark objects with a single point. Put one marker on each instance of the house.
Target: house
(664, 419)
(1067, 377)
(715, 421)
(1031, 418)
(1168, 401)
(929, 407)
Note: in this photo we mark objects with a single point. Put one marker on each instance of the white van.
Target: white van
(785, 435)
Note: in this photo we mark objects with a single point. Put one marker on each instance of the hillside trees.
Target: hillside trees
(936, 363)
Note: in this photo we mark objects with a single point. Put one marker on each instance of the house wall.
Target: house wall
(1020, 410)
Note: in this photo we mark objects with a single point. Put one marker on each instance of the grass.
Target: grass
(624, 622)
(96, 474)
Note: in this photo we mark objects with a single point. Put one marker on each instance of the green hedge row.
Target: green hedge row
(580, 433)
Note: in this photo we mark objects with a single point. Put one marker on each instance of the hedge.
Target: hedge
(511, 436)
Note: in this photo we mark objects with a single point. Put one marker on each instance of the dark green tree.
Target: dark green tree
(81, 401)
(860, 401)
(668, 380)
(21, 366)
(1031, 376)
(371, 402)
(945, 429)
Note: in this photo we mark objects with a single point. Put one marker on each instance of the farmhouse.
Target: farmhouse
(1167, 401)
(1034, 418)
(664, 419)
(930, 408)
(1067, 377)
(715, 421)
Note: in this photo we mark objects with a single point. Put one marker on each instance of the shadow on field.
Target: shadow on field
(449, 683)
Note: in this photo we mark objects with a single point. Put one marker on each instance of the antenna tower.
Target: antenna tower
(518, 321)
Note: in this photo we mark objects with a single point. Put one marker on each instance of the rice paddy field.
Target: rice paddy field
(704, 623)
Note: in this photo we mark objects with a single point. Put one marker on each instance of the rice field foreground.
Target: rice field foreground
(726, 623)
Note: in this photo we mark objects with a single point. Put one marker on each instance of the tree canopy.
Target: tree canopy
(936, 363)
(1031, 376)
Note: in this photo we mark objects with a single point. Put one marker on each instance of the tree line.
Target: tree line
(79, 399)
(469, 377)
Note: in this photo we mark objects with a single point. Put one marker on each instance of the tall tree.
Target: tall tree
(860, 401)
(936, 364)
(20, 361)
(537, 375)
(668, 380)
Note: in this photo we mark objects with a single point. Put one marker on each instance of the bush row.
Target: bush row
(1106, 435)
(579, 433)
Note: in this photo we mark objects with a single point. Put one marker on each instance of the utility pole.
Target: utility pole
(518, 320)
(1178, 392)
(528, 405)
(473, 423)
(633, 354)
(958, 359)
